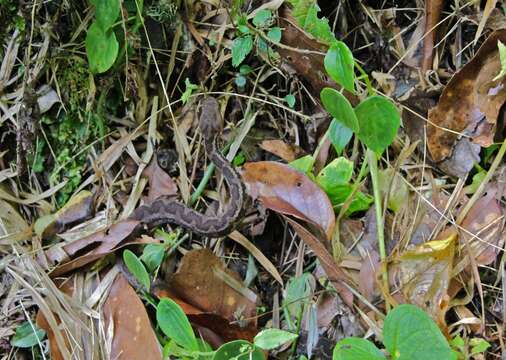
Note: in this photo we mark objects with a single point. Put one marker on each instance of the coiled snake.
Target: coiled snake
(165, 210)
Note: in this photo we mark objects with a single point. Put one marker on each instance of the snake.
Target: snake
(165, 210)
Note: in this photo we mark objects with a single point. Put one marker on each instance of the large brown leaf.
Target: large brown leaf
(290, 192)
(469, 106)
(204, 282)
(132, 333)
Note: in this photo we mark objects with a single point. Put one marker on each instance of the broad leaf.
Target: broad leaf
(274, 34)
(262, 18)
(340, 108)
(241, 47)
(339, 65)
(101, 48)
(174, 323)
(410, 334)
(379, 120)
(353, 348)
(152, 256)
(339, 135)
(106, 13)
(137, 269)
(303, 164)
(338, 172)
(306, 13)
(27, 335)
(238, 350)
(272, 338)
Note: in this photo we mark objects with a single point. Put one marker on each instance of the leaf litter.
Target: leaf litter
(81, 146)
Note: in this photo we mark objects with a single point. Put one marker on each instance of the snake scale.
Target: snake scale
(165, 210)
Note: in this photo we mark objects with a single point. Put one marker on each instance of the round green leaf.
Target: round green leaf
(26, 337)
(106, 13)
(379, 120)
(339, 135)
(272, 338)
(340, 108)
(339, 65)
(101, 48)
(274, 34)
(410, 334)
(174, 323)
(241, 47)
(137, 269)
(353, 348)
(238, 350)
(338, 172)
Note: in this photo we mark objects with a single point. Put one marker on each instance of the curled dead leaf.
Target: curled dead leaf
(469, 106)
(290, 192)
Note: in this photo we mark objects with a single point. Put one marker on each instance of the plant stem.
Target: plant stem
(373, 169)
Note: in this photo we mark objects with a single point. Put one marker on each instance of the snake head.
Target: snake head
(211, 122)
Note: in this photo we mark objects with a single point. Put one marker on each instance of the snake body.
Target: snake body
(165, 210)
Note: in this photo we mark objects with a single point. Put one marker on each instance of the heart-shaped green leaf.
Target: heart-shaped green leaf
(353, 348)
(339, 65)
(340, 108)
(379, 120)
(410, 334)
(101, 48)
(174, 323)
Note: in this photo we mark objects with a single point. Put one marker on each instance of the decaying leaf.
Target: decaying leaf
(127, 321)
(281, 149)
(423, 275)
(468, 108)
(290, 192)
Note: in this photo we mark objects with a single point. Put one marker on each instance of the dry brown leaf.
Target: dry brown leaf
(132, 332)
(160, 183)
(288, 191)
(486, 221)
(282, 150)
(469, 105)
(204, 282)
(432, 14)
(99, 244)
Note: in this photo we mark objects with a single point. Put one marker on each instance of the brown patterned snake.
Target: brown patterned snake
(165, 210)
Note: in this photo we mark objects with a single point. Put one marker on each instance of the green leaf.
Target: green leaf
(106, 13)
(240, 80)
(339, 65)
(274, 34)
(339, 135)
(303, 164)
(410, 334)
(272, 338)
(26, 337)
(290, 100)
(262, 18)
(306, 13)
(241, 47)
(238, 350)
(152, 256)
(245, 69)
(174, 323)
(137, 269)
(101, 48)
(379, 120)
(298, 290)
(338, 172)
(340, 193)
(353, 348)
(340, 108)
(189, 88)
(502, 58)
(478, 345)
